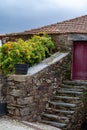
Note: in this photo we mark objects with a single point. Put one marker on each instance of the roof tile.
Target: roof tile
(76, 25)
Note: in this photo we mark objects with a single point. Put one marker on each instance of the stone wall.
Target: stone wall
(3, 88)
(14, 38)
(27, 95)
(61, 41)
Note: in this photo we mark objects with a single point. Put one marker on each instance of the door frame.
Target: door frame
(73, 58)
(73, 38)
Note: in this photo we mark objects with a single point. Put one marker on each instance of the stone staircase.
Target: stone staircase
(65, 109)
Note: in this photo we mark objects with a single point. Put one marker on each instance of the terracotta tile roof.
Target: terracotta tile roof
(76, 25)
(2, 35)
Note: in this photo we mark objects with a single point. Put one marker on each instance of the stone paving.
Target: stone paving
(9, 124)
(6, 124)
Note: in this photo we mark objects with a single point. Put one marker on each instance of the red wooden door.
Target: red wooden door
(79, 65)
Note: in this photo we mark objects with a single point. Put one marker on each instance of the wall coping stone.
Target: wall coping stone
(45, 63)
(37, 68)
(18, 78)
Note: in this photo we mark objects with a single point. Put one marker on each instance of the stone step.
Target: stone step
(52, 117)
(69, 92)
(71, 89)
(62, 104)
(71, 86)
(59, 111)
(55, 124)
(66, 99)
(79, 82)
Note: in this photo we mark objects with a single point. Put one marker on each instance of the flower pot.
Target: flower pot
(21, 68)
(3, 108)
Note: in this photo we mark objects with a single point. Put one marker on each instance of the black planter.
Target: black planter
(3, 108)
(21, 69)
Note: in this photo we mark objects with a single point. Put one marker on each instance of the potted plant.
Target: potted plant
(3, 108)
(21, 68)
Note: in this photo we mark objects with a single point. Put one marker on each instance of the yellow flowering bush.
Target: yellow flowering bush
(31, 51)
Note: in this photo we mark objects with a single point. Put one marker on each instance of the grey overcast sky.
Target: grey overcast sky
(21, 15)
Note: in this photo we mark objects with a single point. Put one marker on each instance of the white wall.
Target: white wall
(0, 43)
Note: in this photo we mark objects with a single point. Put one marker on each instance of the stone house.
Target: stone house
(64, 34)
(28, 96)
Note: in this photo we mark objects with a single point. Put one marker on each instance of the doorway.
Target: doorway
(79, 62)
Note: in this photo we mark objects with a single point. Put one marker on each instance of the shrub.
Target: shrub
(31, 51)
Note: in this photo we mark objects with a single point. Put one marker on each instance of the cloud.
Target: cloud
(32, 8)
(20, 15)
(74, 4)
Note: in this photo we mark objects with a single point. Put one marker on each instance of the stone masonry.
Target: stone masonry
(27, 95)
(62, 42)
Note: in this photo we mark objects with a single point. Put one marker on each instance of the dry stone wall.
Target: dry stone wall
(61, 41)
(27, 95)
(3, 88)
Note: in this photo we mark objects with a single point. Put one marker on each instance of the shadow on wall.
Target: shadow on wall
(84, 125)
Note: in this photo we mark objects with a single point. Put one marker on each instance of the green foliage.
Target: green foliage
(31, 51)
(84, 99)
